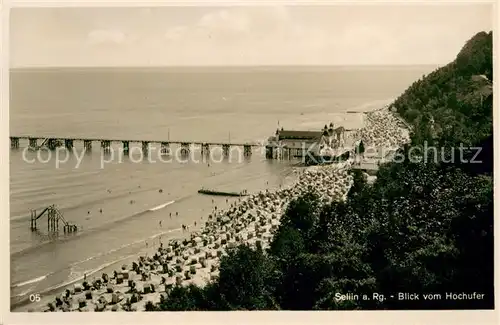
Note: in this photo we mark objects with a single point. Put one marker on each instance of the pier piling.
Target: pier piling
(165, 148)
(33, 220)
(184, 148)
(205, 149)
(52, 144)
(278, 153)
(14, 143)
(33, 143)
(247, 150)
(106, 145)
(87, 145)
(269, 152)
(145, 147)
(68, 143)
(126, 147)
(225, 150)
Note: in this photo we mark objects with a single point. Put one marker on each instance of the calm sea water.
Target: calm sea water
(192, 104)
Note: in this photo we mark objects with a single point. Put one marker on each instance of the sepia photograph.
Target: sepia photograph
(246, 157)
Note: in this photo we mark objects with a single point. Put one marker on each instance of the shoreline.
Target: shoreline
(48, 294)
(255, 219)
(111, 244)
(194, 256)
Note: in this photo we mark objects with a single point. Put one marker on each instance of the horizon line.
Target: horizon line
(222, 66)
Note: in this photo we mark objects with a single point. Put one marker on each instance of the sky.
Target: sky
(244, 35)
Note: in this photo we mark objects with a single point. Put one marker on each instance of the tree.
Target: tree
(189, 298)
(301, 214)
(359, 182)
(246, 279)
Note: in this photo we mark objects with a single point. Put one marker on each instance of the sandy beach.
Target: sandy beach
(194, 256)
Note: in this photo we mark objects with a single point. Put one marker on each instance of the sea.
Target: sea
(127, 206)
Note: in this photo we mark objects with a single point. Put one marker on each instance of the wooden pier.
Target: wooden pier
(52, 143)
(288, 144)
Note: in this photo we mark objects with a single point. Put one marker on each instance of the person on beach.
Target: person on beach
(160, 223)
(100, 210)
(177, 213)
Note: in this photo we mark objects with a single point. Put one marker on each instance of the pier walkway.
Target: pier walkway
(54, 142)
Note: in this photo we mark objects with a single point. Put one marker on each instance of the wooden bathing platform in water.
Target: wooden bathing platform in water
(53, 218)
(222, 193)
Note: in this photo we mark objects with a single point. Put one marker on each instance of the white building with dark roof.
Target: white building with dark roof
(297, 143)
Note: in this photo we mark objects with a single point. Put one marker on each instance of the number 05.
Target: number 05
(35, 297)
